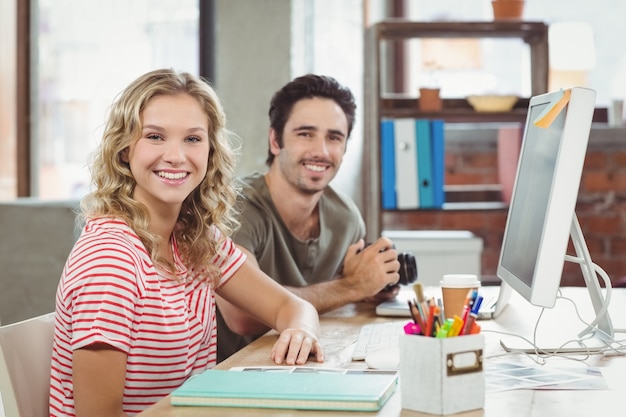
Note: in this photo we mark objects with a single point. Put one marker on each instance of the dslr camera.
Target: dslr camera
(408, 268)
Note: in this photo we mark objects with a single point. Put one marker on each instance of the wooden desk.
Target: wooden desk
(340, 330)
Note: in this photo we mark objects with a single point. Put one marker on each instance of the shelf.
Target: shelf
(529, 31)
(455, 110)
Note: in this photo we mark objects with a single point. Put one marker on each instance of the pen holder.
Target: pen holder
(442, 376)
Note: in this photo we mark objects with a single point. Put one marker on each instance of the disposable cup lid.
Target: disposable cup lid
(460, 281)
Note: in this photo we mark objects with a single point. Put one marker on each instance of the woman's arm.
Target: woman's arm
(252, 291)
(98, 376)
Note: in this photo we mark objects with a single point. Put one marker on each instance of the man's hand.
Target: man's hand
(370, 269)
(389, 292)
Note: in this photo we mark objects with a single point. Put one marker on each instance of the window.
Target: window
(8, 111)
(83, 54)
(87, 52)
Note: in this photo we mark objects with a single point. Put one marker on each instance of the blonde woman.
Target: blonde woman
(135, 307)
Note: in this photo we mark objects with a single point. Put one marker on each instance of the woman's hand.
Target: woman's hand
(294, 318)
(294, 346)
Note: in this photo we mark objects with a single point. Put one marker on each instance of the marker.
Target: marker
(412, 328)
(469, 323)
(443, 331)
(475, 328)
(477, 303)
(430, 320)
(457, 324)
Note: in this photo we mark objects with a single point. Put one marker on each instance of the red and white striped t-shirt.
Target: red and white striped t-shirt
(110, 292)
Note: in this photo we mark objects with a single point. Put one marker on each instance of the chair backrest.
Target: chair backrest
(25, 357)
(43, 234)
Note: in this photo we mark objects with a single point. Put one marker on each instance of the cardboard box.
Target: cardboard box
(442, 376)
(439, 252)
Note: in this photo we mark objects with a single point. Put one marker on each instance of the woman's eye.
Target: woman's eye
(193, 139)
(153, 136)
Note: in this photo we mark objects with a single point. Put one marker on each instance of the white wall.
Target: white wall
(263, 44)
(253, 41)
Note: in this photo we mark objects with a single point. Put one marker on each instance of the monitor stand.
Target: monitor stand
(596, 337)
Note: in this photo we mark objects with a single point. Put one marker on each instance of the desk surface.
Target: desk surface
(340, 329)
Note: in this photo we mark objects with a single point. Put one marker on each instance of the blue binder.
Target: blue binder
(424, 163)
(438, 163)
(388, 165)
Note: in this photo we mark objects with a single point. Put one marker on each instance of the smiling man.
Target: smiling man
(303, 233)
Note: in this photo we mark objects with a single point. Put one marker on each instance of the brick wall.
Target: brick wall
(600, 210)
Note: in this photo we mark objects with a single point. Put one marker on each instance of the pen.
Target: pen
(469, 301)
(412, 311)
(421, 316)
(471, 318)
(440, 309)
(420, 308)
(415, 314)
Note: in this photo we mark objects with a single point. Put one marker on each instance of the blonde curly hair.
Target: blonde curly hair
(211, 203)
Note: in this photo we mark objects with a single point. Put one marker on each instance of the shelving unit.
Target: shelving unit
(377, 106)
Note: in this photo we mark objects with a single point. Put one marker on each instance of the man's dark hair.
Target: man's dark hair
(306, 87)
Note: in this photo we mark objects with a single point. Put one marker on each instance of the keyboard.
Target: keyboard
(375, 336)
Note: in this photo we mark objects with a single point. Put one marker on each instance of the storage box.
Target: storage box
(442, 376)
(439, 252)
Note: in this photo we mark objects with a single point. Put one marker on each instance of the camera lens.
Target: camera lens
(408, 268)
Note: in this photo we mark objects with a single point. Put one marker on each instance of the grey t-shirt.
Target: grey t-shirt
(285, 258)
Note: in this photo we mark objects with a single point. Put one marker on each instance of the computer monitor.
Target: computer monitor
(541, 217)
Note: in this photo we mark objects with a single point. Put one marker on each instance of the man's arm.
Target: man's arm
(366, 272)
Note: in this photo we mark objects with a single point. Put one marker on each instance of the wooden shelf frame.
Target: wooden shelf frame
(535, 34)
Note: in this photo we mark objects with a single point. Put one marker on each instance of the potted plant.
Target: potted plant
(429, 98)
(507, 9)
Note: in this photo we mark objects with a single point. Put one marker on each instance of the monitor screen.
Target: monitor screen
(544, 196)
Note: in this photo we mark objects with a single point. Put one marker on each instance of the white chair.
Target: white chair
(25, 355)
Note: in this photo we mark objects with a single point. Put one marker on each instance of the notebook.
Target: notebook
(496, 298)
(304, 391)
